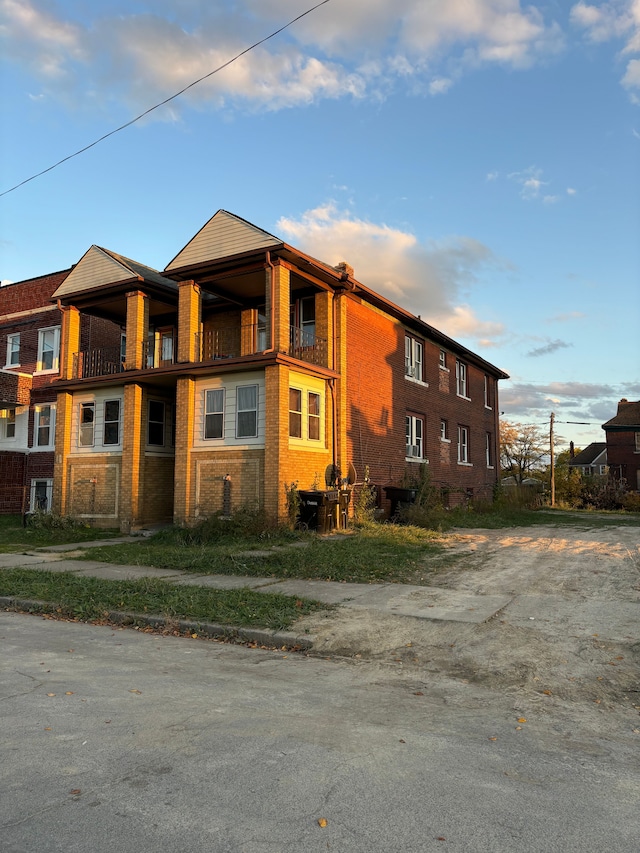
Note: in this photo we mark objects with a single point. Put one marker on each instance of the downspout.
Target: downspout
(272, 314)
(334, 425)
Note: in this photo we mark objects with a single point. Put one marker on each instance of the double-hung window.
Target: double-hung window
(111, 425)
(13, 350)
(413, 358)
(295, 413)
(461, 379)
(44, 425)
(313, 416)
(463, 445)
(415, 437)
(489, 450)
(214, 414)
(443, 359)
(488, 392)
(8, 423)
(246, 411)
(155, 424)
(86, 432)
(49, 349)
(444, 430)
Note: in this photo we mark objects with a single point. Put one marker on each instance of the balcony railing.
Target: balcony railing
(307, 346)
(97, 362)
(231, 342)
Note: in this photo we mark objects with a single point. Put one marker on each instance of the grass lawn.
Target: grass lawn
(14, 537)
(90, 599)
(369, 555)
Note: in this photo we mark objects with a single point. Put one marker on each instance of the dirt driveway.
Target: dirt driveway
(566, 641)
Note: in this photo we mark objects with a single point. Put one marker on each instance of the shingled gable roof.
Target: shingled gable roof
(628, 417)
(100, 267)
(224, 235)
(589, 455)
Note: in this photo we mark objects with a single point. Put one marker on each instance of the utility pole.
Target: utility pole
(553, 472)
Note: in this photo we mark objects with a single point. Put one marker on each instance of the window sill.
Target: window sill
(11, 366)
(491, 467)
(416, 381)
(46, 372)
(446, 369)
(445, 440)
(466, 464)
(489, 408)
(462, 397)
(416, 459)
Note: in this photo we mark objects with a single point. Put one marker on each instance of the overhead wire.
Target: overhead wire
(166, 100)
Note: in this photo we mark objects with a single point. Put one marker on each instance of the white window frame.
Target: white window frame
(463, 445)
(88, 427)
(54, 331)
(444, 430)
(49, 494)
(413, 359)
(239, 411)
(442, 362)
(487, 392)
(105, 422)
(213, 412)
(313, 418)
(297, 412)
(8, 425)
(462, 375)
(414, 438)
(51, 426)
(13, 350)
(489, 450)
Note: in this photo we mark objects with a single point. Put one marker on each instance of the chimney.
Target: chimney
(345, 268)
(572, 450)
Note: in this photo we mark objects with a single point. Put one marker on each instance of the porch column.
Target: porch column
(276, 443)
(324, 324)
(69, 340)
(137, 329)
(183, 500)
(134, 435)
(281, 307)
(189, 314)
(64, 410)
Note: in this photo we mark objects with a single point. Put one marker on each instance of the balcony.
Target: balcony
(232, 342)
(307, 346)
(104, 361)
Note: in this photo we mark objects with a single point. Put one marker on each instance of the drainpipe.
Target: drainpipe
(334, 428)
(272, 317)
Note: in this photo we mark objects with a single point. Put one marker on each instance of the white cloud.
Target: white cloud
(364, 47)
(426, 279)
(530, 181)
(616, 19)
(571, 191)
(492, 176)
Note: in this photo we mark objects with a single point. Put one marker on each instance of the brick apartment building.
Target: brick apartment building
(623, 444)
(243, 367)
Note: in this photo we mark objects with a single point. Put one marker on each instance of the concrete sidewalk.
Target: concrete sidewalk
(418, 602)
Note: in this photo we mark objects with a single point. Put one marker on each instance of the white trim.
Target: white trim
(56, 351)
(9, 364)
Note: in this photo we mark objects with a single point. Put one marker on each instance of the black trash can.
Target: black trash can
(317, 509)
(398, 497)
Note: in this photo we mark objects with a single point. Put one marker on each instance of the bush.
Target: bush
(52, 521)
(247, 522)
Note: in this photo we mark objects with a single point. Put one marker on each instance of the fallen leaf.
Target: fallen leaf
(47, 728)
(522, 719)
(69, 650)
(69, 693)
(75, 791)
(620, 657)
(139, 692)
(408, 645)
(441, 838)
(518, 728)
(402, 741)
(322, 821)
(547, 692)
(418, 693)
(493, 738)
(597, 701)
(194, 636)
(51, 694)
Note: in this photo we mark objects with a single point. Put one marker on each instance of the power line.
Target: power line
(166, 100)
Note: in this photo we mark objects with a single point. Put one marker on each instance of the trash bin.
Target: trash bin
(317, 509)
(398, 497)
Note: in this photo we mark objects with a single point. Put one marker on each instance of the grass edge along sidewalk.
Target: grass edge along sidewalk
(242, 613)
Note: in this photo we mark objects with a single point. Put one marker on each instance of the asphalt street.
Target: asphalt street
(116, 740)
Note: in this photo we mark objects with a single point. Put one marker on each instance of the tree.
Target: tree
(523, 449)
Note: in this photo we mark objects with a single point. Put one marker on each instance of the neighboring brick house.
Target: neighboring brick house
(623, 444)
(591, 461)
(30, 324)
(246, 366)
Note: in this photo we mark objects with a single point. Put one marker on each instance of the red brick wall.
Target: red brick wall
(379, 397)
(31, 293)
(622, 459)
(12, 471)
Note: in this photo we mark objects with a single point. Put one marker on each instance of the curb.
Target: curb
(212, 630)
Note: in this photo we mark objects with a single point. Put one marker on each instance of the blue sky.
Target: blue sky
(477, 161)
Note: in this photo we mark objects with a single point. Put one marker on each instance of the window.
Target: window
(443, 359)
(303, 322)
(604, 469)
(488, 392)
(414, 435)
(295, 413)
(413, 358)
(44, 426)
(463, 445)
(87, 424)
(314, 416)
(13, 350)
(111, 430)
(41, 493)
(214, 414)
(49, 349)
(444, 430)
(8, 423)
(489, 450)
(246, 411)
(155, 426)
(461, 379)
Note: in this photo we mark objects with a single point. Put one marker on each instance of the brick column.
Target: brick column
(248, 331)
(281, 308)
(133, 445)
(137, 329)
(276, 444)
(64, 408)
(324, 323)
(189, 320)
(69, 340)
(183, 498)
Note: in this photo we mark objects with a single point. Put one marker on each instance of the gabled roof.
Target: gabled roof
(628, 417)
(100, 267)
(223, 235)
(590, 454)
